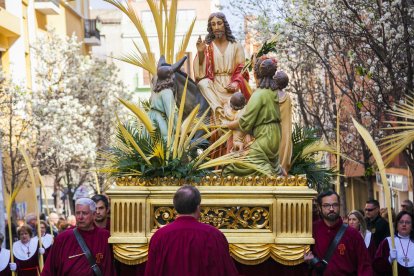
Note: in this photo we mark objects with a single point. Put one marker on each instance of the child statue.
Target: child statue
(234, 110)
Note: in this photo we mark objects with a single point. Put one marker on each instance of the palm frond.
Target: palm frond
(394, 144)
(141, 114)
(198, 125)
(185, 41)
(157, 15)
(128, 137)
(214, 146)
(179, 120)
(171, 26)
(185, 129)
(306, 145)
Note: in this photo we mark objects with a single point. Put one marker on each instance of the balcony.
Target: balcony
(92, 34)
(9, 28)
(47, 7)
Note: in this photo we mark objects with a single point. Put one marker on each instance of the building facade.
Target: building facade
(21, 22)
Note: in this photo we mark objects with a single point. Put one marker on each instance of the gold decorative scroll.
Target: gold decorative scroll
(248, 254)
(223, 217)
(291, 180)
(131, 254)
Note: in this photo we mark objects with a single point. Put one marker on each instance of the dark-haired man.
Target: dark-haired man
(375, 223)
(349, 255)
(218, 66)
(187, 246)
(407, 205)
(102, 219)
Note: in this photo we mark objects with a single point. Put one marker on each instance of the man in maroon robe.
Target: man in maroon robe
(350, 256)
(67, 257)
(102, 212)
(187, 246)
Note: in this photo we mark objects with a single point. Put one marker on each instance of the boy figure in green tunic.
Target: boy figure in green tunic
(262, 119)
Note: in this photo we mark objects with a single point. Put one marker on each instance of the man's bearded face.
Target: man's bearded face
(217, 26)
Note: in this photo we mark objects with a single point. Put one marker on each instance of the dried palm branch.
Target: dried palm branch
(381, 167)
(179, 120)
(395, 143)
(171, 26)
(141, 115)
(214, 146)
(170, 131)
(185, 41)
(188, 122)
(10, 202)
(129, 11)
(140, 59)
(128, 137)
(34, 194)
(157, 15)
(197, 126)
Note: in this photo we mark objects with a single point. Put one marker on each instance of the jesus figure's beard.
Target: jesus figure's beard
(219, 35)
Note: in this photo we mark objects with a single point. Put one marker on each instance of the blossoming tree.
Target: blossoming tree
(74, 103)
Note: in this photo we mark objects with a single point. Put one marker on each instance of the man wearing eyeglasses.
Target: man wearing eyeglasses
(375, 223)
(348, 255)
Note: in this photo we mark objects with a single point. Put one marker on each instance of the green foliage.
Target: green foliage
(319, 177)
(126, 161)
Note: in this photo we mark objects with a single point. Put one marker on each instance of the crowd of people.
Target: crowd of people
(360, 244)
(61, 250)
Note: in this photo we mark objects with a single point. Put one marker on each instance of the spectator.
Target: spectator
(72, 221)
(407, 205)
(63, 225)
(102, 219)
(384, 214)
(356, 220)
(349, 255)
(375, 223)
(65, 257)
(53, 220)
(31, 220)
(14, 233)
(4, 259)
(403, 252)
(187, 246)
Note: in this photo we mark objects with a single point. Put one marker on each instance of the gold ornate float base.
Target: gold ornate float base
(248, 254)
(260, 221)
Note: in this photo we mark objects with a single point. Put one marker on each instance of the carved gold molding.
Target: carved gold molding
(223, 217)
(248, 254)
(291, 180)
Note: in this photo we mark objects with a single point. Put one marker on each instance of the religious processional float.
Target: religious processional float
(262, 216)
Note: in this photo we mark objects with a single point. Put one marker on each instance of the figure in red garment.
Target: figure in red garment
(186, 246)
(102, 219)
(26, 253)
(218, 70)
(67, 257)
(350, 256)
